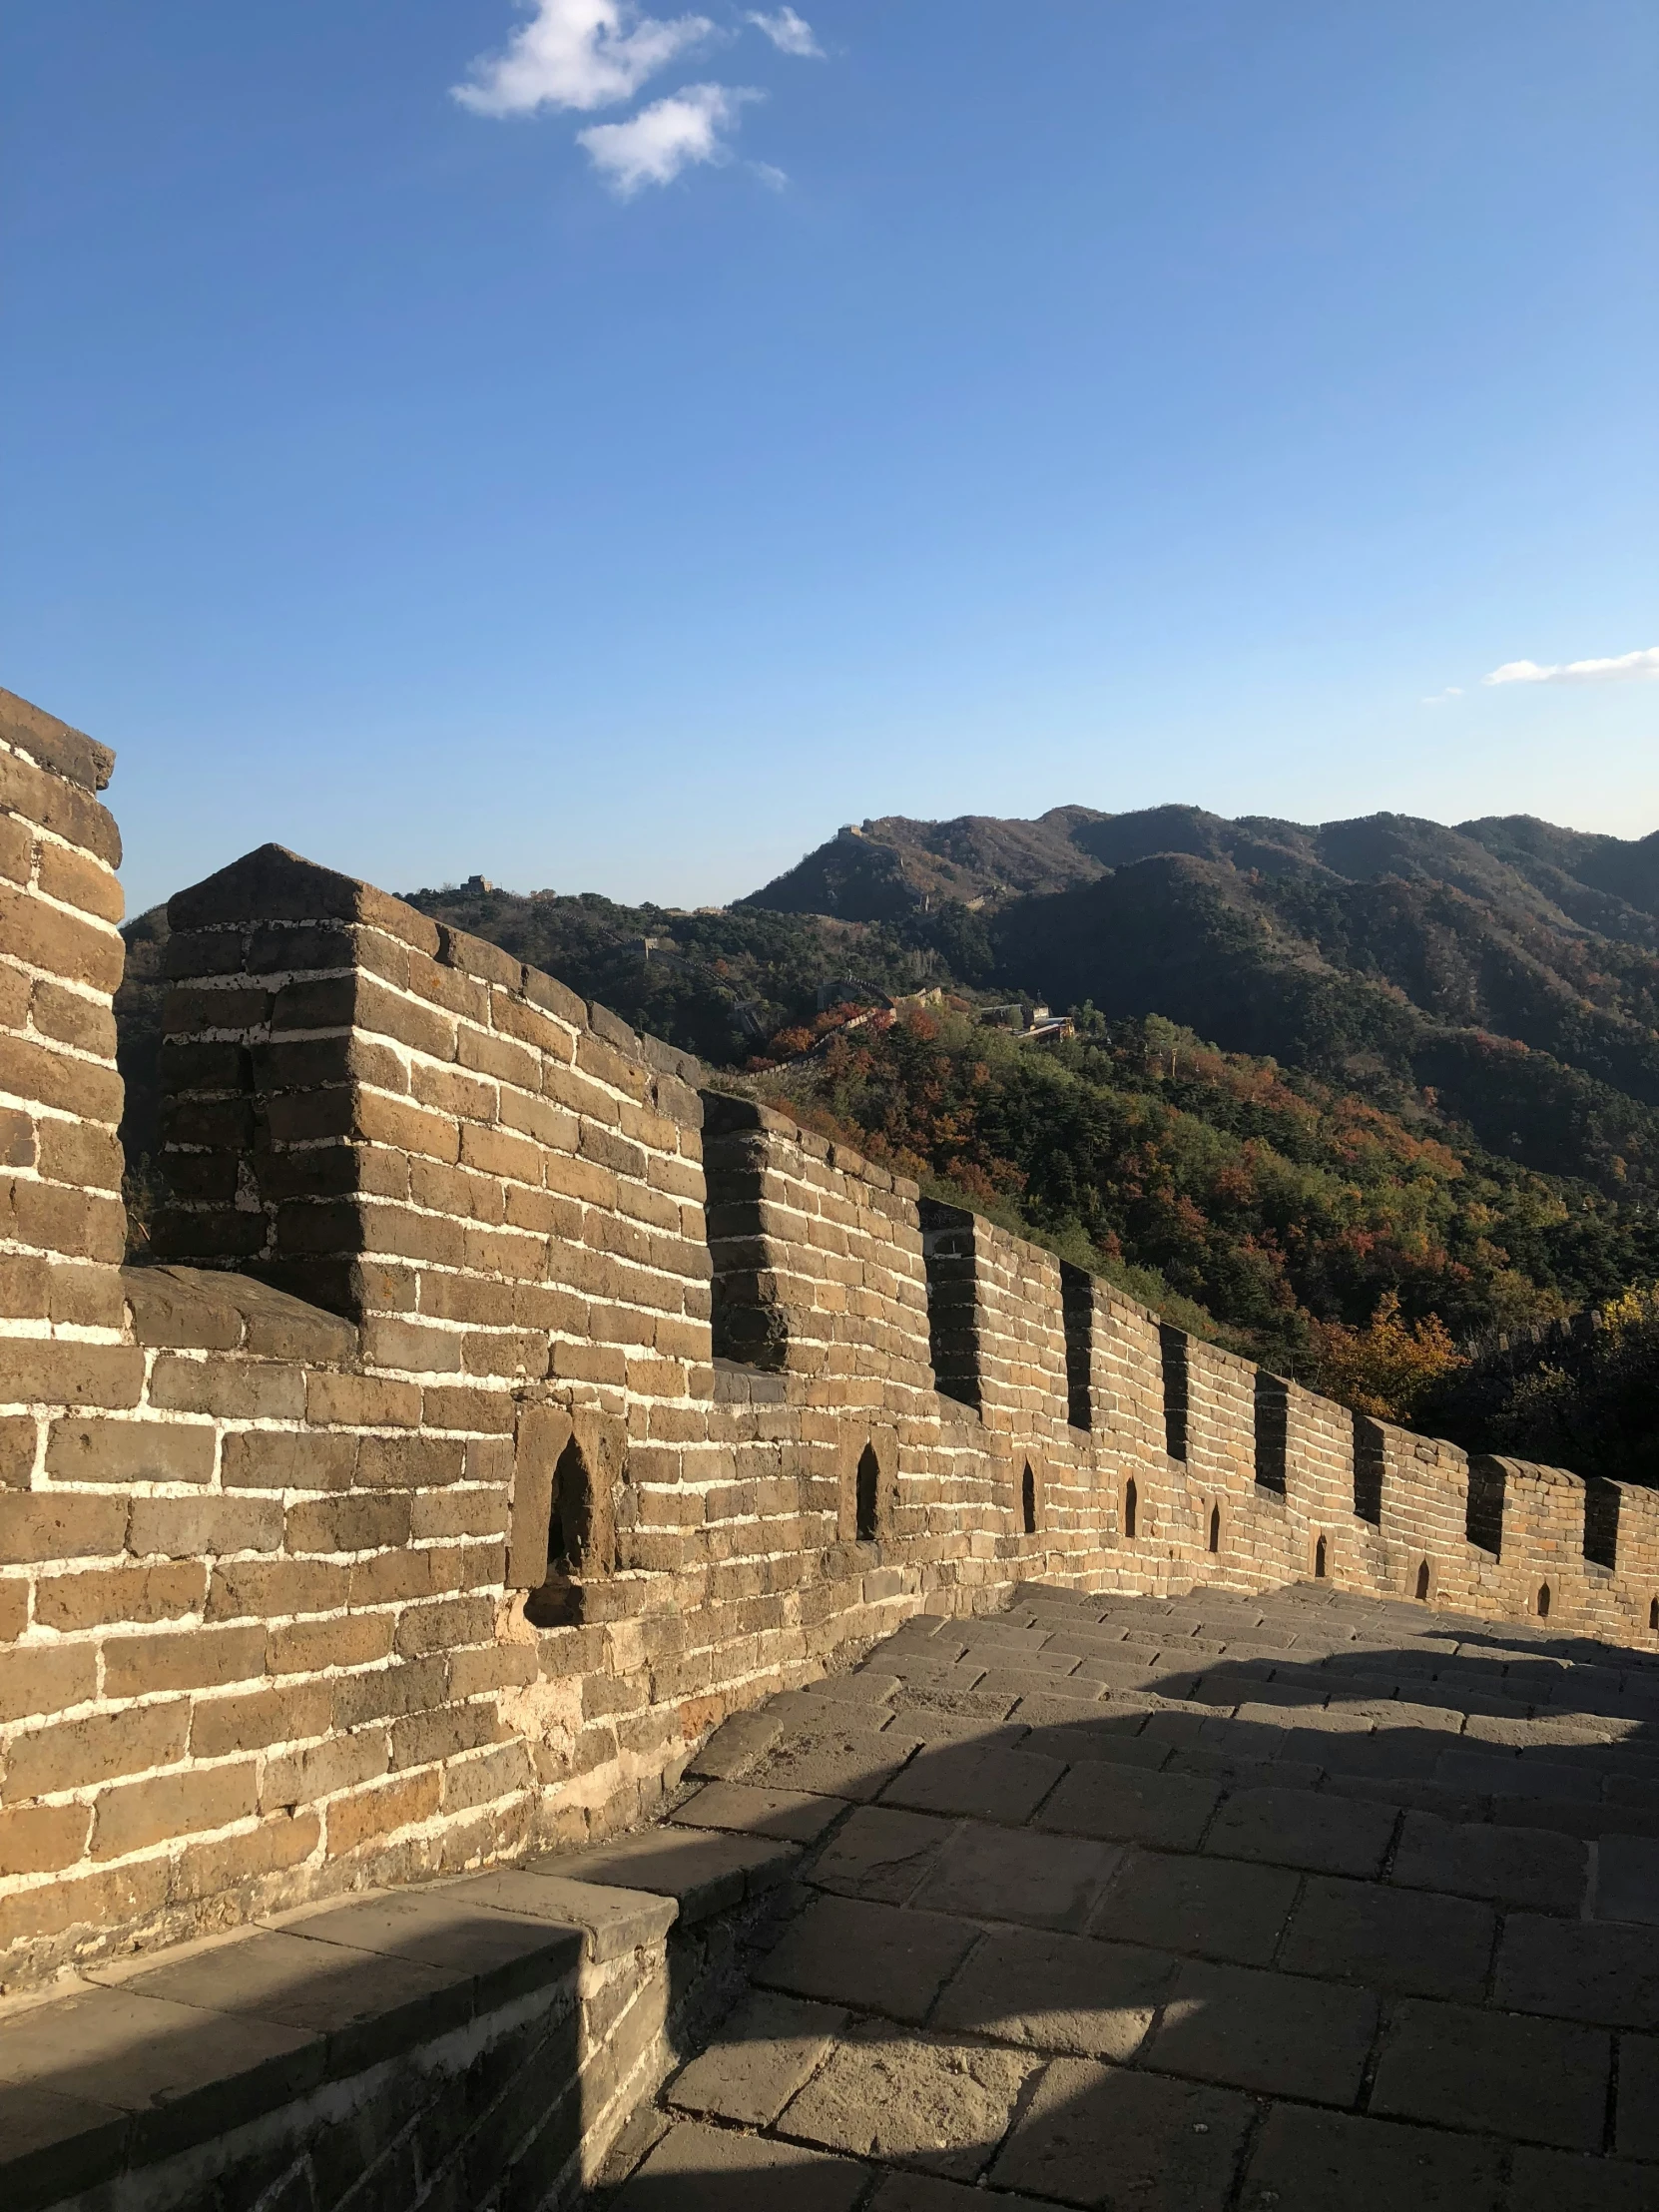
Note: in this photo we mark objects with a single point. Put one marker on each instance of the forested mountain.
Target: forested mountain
(1359, 1099)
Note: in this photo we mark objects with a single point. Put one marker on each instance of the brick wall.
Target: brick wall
(455, 1471)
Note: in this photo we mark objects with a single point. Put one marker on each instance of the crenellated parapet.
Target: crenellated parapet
(507, 1406)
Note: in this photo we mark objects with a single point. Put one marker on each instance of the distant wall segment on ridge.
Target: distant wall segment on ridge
(507, 1406)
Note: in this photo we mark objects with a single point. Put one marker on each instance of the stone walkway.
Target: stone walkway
(1277, 1905)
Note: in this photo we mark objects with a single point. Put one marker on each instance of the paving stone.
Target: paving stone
(1045, 1710)
(707, 1871)
(964, 1728)
(863, 1686)
(1270, 2031)
(1539, 2082)
(1638, 2114)
(736, 1744)
(1405, 1794)
(1001, 1873)
(1410, 1940)
(1058, 1992)
(927, 2102)
(1579, 1971)
(869, 1956)
(1116, 1746)
(1218, 1907)
(1627, 1879)
(1308, 2161)
(1105, 2136)
(696, 2169)
(910, 2192)
(1512, 1866)
(1170, 1811)
(1565, 2181)
(790, 1816)
(758, 2060)
(1295, 1828)
(1243, 1774)
(985, 1705)
(880, 1853)
(854, 1762)
(979, 1784)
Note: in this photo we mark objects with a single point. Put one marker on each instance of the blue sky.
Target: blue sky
(684, 440)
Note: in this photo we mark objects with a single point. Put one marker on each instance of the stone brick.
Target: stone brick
(346, 1640)
(307, 1777)
(141, 1814)
(18, 1436)
(265, 1588)
(46, 1680)
(277, 1460)
(74, 879)
(231, 1390)
(361, 1402)
(45, 1524)
(43, 1839)
(73, 1754)
(107, 1594)
(191, 1659)
(355, 1820)
(354, 1524)
(222, 1726)
(85, 1451)
(59, 1373)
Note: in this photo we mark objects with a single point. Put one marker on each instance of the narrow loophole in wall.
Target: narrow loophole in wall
(1077, 1312)
(570, 1532)
(1028, 1499)
(1543, 1601)
(947, 1255)
(1129, 1504)
(1319, 1560)
(1601, 1522)
(1215, 1529)
(1172, 1359)
(1422, 1583)
(868, 1488)
(1273, 1426)
(1369, 1461)
(1483, 1512)
(1653, 1614)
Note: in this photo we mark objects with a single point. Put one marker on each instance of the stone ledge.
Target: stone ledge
(205, 1309)
(151, 2058)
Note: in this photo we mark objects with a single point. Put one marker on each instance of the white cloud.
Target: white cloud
(1616, 669)
(775, 178)
(1440, 698)
(788, 32)
(651, 148)
(578, 54)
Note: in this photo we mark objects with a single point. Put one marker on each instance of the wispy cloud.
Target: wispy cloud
(1619, 668)
(788, 32)
(653, 147)
(579, 54)
(1440, 698)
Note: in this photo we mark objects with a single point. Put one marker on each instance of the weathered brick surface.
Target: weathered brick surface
(608, 1406)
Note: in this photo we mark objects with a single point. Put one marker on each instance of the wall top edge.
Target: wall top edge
(273, 884)
(67, 752)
